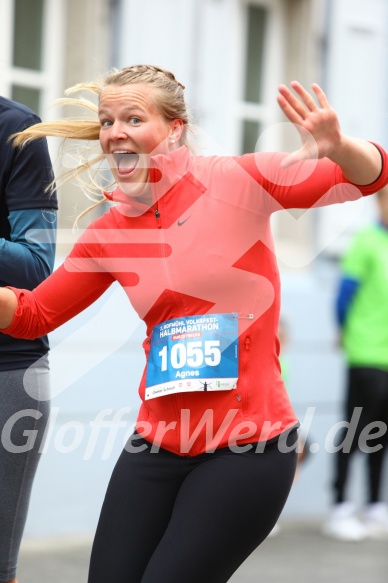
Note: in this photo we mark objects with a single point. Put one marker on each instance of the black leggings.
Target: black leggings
(173, 519)
(367, 389)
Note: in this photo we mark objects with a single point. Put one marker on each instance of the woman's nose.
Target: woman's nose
(118, 131)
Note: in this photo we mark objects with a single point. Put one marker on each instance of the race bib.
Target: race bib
(195, 353)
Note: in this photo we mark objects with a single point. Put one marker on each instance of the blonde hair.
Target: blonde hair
(169, 99)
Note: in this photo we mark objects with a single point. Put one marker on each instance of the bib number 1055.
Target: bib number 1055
(193, 354)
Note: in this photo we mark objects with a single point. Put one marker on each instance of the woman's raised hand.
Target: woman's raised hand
(315, 120)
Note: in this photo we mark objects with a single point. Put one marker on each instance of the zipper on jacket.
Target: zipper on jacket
(247, 345)
(157, 216)
(175, 398)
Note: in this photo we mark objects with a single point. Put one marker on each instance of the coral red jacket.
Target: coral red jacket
(205, 246)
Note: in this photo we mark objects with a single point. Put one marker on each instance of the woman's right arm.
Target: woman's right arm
(60, 297)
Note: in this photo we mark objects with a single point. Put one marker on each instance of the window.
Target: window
(28, 96)
(261, 66)
(256, 28)
(27, 34)
(254, 65)
(27, 49)
(31, 49)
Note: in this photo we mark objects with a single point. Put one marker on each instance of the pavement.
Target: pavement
(299, 553)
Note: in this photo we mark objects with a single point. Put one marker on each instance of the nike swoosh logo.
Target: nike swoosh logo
(180, 223)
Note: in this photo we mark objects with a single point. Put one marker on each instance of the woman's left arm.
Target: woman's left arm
(319, 129)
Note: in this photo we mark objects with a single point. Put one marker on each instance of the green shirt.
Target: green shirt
(365, 334)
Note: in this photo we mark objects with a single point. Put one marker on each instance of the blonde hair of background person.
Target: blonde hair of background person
(206, 474)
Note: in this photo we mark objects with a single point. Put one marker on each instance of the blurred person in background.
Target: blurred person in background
(26, 259)
(362, 317)
(204, 477)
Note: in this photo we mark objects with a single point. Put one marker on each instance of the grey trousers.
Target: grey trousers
(23, 419)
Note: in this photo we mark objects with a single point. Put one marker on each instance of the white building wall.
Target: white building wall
(356, 81)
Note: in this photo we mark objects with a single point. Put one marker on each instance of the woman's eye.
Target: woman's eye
(134, 120)
(105, 123)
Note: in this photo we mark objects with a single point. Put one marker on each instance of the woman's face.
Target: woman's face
(132, 130)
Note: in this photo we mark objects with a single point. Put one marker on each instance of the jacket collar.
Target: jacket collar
(165, 171)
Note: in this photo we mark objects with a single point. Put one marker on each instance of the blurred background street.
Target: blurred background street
(299, 553)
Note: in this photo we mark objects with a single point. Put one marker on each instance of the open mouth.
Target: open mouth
(125, 162)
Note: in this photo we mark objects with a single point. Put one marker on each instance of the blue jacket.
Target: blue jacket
(26, 258)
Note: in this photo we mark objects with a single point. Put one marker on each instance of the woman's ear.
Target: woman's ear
(176, 131)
